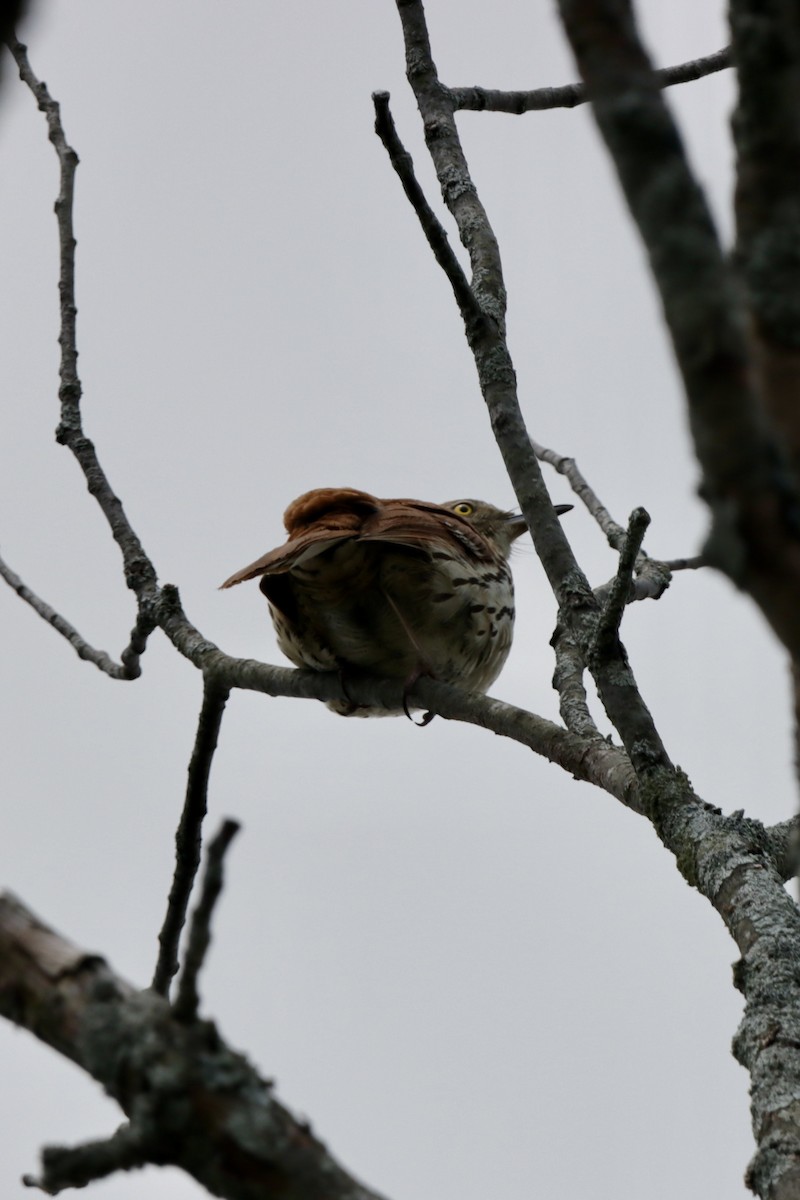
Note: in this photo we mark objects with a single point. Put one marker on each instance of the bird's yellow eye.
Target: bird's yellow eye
(463, 509)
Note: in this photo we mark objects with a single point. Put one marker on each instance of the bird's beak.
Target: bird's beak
(517, 525)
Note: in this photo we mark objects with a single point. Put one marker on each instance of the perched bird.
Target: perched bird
(392, 588)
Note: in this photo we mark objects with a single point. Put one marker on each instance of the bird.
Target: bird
(392, 589)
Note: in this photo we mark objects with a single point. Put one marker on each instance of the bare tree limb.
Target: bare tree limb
(188, 833)
(479, 99)
(76, 1166)
(187, 1001)
(604, 765)
(754, 536)
(766, 51)
(686, 564)
(616, 684)
(129, 667)
(652, 575)
(192, 1102)
(434, 231)
(783, 840)
(140, 573)
(568, 682)
(606, 637)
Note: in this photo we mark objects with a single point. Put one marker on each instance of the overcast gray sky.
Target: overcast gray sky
(476, 977)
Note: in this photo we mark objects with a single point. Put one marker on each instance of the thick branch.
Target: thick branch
(766, 47)
(616, 684)
(750, 494)
(192, 1101)
(480, 99)
(766, 51)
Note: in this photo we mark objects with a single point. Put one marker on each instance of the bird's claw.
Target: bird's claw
(416, 674)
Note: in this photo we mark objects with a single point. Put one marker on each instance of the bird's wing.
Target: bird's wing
(421, 526)
(315, 522)
(297, 550)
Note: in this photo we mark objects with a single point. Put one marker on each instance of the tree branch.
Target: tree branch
(128, 668)
(187, 1000)
(601, 764)
(616, 684)
(652, 575)
(188, 834)
(192, 1102)
(434, 231)
(76, 1166)
(140, 573)
(479, 99)
(620, 591)
(754, 536)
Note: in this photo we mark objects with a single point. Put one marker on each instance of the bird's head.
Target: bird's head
(498, 526)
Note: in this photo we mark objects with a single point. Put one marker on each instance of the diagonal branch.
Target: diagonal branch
(753, 500)
(192, 1101)
(616, 684)
(188, 833)
(652, 575)
(128, 668)
(479, 99)
(766, 51)
(433, 229)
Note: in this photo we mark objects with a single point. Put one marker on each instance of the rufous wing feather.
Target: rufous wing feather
(315, 522)
(423, 526)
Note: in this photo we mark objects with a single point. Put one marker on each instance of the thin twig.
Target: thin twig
(566, 466)
(605, 644)
(76, 1166)
(433, 229)
(187, 1000)
(480, 99)
(652, 575)
(128, 668)
(188, 833)
(686, 564)
(140, 573)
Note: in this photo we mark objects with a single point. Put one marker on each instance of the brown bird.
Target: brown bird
(392, 588)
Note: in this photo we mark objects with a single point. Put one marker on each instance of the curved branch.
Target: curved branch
(128, 668)
(605, 766)
(140, 573)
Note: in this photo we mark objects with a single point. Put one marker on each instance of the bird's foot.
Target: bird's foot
(416, 674)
